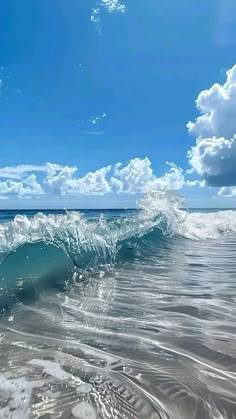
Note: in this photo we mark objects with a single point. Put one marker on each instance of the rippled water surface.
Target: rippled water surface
(152, 336)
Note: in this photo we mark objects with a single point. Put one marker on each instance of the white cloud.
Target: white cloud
(215, 160)
(214, 155)
(94, 183)
(93, 126)
(135, 177)
(65, 182)
(110, 6)
(227, 191)
(113, 6)
(96, 119)
(58, 182)
(173, 179)
(95, 16)
(218, 108)
(26, 187)
(17, 172)
(138, 177)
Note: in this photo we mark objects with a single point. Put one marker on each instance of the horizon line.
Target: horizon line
(97, 209)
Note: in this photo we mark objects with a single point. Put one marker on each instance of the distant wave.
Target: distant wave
(90, 243)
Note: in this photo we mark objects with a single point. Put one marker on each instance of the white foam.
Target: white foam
(204, 226)
(84, 410)
(20, 391)
(51, 368)
(84, 388)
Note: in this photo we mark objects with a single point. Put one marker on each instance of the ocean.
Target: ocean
(118, 314)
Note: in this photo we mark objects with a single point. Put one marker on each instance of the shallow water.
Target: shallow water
(151, 336)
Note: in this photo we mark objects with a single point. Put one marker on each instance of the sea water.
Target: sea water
(118, 314)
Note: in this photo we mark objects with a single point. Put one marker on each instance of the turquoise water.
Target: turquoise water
(118, 314)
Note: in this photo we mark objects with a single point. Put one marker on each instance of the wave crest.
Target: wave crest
(88, 243)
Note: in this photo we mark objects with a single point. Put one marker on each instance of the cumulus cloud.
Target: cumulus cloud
(215, 160)
(218, 108)
(173, 179)
(26, 187)
(94, 183)
(65, 182)
(136, 176)
(213, 156)
(59, 182)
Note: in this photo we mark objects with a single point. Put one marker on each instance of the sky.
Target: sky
(102, 100)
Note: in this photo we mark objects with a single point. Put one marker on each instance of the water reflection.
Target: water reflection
(154, 339)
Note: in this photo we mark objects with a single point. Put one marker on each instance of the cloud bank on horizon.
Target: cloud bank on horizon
(135, 177)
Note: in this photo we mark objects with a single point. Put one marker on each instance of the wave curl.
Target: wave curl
(90, 242)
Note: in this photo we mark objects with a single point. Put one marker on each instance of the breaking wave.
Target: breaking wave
(92, 242)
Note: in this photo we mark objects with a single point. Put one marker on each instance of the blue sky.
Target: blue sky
(89, 84)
